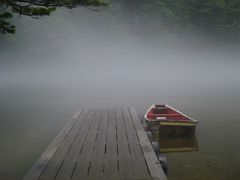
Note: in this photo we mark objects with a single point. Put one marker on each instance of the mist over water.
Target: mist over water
(78, 59)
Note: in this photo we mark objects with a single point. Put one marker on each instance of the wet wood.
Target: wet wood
(48, 154)
(153, 164)
(99, 144)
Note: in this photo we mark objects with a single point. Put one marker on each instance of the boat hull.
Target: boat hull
(169, 126)
(162, 129)
(178, 130)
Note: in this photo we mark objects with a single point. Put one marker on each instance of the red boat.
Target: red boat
(169, 120)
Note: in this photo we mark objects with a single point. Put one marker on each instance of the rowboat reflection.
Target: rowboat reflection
(178, 144)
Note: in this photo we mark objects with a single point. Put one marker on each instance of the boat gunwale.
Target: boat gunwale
(191, 121)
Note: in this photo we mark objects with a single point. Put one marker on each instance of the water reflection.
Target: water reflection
(178, 144)
(80, 59)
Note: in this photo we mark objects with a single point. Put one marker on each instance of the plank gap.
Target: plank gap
(75, 137)
(89, 167)
(118, 165)
(103, 168)
(74, 169)
(58, 170)
(87, 134)
(98, 127)
(105, 150)
(126, 132)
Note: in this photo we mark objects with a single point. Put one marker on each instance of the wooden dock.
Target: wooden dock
(99, 144)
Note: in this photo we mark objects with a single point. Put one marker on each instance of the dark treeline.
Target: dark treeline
(212, 17)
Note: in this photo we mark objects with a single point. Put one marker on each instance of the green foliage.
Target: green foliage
(210, 16)
(5, 26)
(33, 11)
(36, 8)
(214, 17)
(231, 18)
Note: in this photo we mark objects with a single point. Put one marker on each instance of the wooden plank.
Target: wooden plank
(84, 159)
(111, 168)
(57, 160)
(99, 155)
(153, 163)
(43, 161)
(124, 156)
(140, 166)
(70, 161)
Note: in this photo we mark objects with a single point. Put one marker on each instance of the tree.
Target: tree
(210, 17)
(231, 18)
(35, 8)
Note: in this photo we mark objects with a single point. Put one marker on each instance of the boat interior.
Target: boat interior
(163, 112)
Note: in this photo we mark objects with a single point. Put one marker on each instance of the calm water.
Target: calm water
(30, 119)
(81, 59)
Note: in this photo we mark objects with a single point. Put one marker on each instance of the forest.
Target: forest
(215, 17)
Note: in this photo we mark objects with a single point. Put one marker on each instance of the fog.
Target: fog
(94, 53)
(80, 58)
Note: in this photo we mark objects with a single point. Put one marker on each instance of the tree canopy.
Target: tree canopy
(35, 8)
(211, 16)
(207, 15)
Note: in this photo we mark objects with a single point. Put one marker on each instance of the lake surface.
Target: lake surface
(81, 59)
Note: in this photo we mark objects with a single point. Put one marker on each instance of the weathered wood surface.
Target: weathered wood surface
(99, 144)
